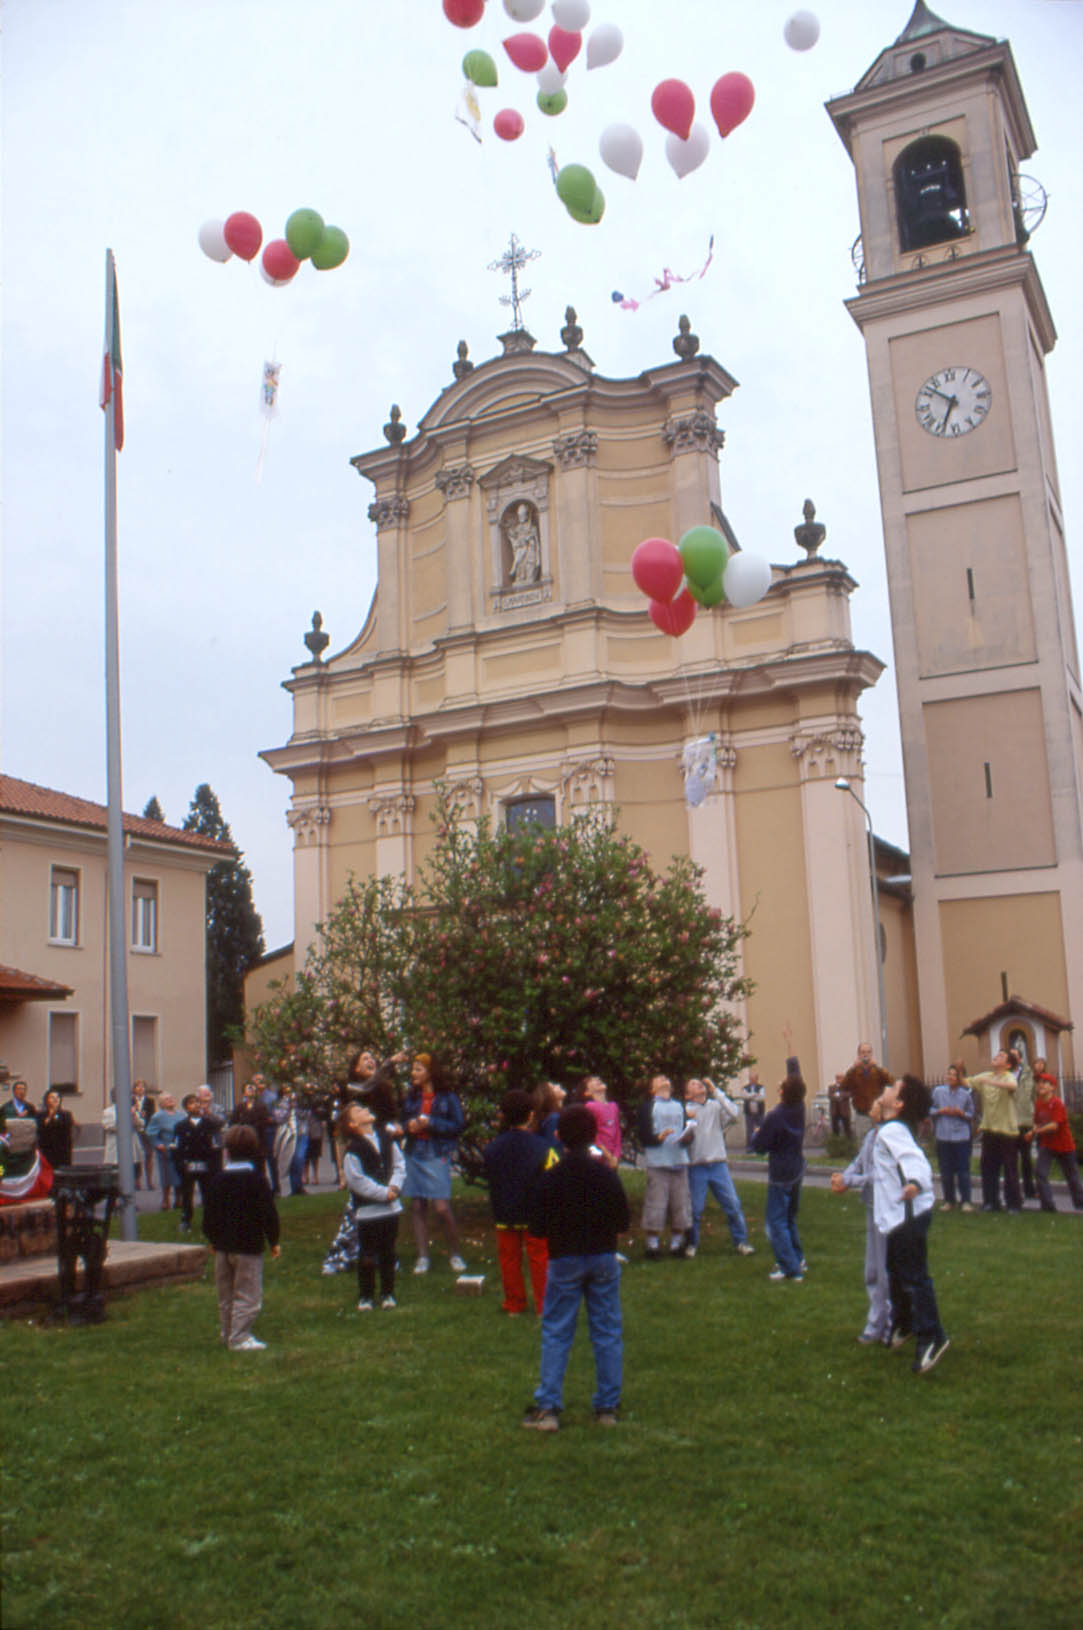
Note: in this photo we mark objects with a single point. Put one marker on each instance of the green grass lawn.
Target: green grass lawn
(767, 1470)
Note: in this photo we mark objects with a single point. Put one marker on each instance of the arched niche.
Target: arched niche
(930, 194)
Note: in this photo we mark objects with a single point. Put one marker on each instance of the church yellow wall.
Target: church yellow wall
(1018, 935)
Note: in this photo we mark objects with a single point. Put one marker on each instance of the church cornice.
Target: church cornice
(871, 102)
(954, 280)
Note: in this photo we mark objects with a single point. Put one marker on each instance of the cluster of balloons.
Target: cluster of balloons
(698, 571)
(548, 58)
(306, 238)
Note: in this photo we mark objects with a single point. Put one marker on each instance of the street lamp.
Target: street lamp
(842, 785)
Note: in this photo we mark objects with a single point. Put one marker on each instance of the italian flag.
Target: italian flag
(112, 366)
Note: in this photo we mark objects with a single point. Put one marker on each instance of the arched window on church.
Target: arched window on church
(539, 809)
(930, 196)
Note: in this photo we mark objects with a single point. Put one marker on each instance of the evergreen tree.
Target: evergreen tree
(153, 811)
(234, 929)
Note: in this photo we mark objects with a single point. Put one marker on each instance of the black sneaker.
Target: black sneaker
(928, 1355)
(896, 1337)
(652, 1254)
(541, 1420)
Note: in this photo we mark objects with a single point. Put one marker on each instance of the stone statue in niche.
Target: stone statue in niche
(520, 527)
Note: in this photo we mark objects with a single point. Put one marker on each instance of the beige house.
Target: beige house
(54, 998)
(509, 655)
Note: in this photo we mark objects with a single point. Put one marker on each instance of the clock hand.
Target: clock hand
(942, 394)
(953, 402)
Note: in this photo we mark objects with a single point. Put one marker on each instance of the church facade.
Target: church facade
(509, 657)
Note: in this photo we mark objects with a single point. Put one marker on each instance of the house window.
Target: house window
(64, 1052)
(930, 194)
(64, 906)
(144, 915)
(145, 1049)
(537, 810)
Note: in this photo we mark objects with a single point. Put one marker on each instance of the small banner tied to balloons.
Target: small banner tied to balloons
(699, 761)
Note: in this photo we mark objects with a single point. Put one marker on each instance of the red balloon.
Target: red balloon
(279, 261)
(658, 568)
(508, 124)
(564, 46)
(464, 13)
(676, 618)
(527, 51)
(674, 106)
(731, 101)
(244, 234)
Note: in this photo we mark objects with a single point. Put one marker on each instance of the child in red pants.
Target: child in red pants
(512, 1161)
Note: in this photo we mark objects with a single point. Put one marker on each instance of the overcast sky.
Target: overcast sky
(127, 124)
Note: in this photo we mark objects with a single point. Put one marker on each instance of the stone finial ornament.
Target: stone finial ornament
(395, 430)
(463, 366)
(571, 333)
(316, 640)
(686, 344)
(812, 533)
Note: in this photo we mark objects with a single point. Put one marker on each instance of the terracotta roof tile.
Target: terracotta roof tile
(17, 986)
(1018, 1004)
(25, 798)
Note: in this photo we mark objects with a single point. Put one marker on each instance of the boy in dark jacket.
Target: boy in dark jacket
(512, 1161)
(238, 1215)
(579, 1207)
(781, 1138)
(196, 1154)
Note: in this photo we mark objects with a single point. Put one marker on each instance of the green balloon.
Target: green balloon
(331, 250)
(304, 229)
(552, 102)
(712, 595)
(480, 69)
(704, 553)
(576, 187)
(591, 216)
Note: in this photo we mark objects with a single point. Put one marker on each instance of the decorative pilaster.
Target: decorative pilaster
(826, 754)
(389, 511)
(393, 812)
(693, 433)
(456, 482)
(464, 799)
(586, 788)
(576, 448)
(310, 825)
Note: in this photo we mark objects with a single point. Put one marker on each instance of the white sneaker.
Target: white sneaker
(690, 1251)
(456, 1264)
(388, 1301)
(364, 1307)
(249, 1345)
(421, 1265)
(744, 1249)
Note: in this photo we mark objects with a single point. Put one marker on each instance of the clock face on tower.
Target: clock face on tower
(953, 402)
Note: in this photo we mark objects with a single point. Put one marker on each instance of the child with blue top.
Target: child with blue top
(665, 1138)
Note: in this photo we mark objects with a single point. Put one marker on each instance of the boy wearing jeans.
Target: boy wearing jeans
(579, 1207)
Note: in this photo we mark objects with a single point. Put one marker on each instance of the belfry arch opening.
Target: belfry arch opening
(930, 195)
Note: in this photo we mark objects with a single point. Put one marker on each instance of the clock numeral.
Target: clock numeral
(948, 376)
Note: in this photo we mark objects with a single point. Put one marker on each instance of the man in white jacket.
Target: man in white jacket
(903, 1206)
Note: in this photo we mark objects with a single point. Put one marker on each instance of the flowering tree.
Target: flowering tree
(523, 956)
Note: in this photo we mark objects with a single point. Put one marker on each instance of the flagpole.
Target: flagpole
(118, 938)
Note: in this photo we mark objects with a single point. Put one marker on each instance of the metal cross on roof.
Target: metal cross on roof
(512, 261)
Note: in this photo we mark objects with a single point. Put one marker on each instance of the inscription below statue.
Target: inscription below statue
(520, 527)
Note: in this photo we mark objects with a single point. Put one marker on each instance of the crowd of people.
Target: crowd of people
(556, 1197)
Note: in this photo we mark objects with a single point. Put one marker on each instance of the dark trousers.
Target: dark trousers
(840, 1121)
(376, 1242)
(1000, 1150)
(1026, 1165)
(187, 1186)
(913, 1299)
(1070, 1171)
(953, 1158)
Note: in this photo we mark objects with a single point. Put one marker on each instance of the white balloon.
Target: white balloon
(550, 79)
(523, 11)
(746, 579)
(571, 14)
(275, 282)
(802, 31)
(621, 148)
(686, 156)
(605, 45)
(212, 241)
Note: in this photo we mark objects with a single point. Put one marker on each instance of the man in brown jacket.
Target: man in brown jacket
(865, 1080)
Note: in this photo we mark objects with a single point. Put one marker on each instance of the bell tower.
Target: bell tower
(957, 330)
